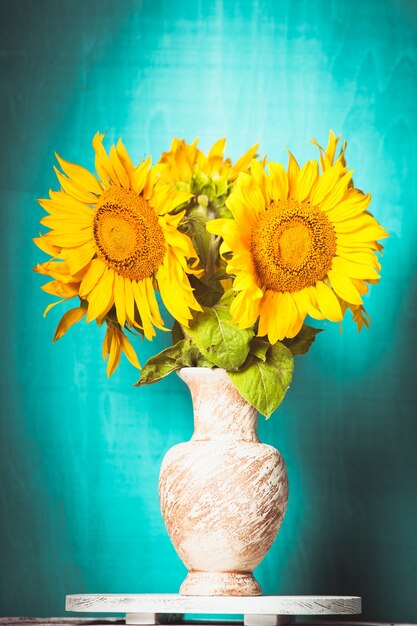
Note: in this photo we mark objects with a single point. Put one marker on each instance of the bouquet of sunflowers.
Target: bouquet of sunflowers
(239, 255)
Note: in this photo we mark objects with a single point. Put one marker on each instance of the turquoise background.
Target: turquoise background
(80, 454)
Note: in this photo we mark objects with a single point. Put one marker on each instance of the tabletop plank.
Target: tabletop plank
(175, 603)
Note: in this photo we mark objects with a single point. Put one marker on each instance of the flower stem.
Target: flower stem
(212, 256)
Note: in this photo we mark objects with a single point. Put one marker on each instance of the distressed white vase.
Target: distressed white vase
(223, 494)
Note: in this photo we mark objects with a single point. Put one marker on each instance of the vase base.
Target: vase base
(200, 583)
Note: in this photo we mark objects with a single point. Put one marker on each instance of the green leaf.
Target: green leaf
(218, 338)
(259, 348)
(162, 364)
(176, 332)
(227, 299)
(193, 358)
(183, 354)
(203, 362)
(209, 189)
(220, 274)
(206, 295)
(301, 343)
(221, 186)
(199, 180)
(264, 383)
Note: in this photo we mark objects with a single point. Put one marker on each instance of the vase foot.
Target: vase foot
(200, 583)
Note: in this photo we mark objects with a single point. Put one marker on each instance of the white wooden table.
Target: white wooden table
(150, 609)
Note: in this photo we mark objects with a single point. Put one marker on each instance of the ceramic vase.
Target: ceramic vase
(223, 494)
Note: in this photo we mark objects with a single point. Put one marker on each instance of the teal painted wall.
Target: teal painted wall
(79, 455)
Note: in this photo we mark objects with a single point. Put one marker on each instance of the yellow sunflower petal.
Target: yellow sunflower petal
(257, 172)
(306, 179)
(344, 287)
(263, 181)
(302, 302)
(46, 246)
(290, 314)
(337, 193)
(179, 198)
(328, 303)
(296, 326)
(361, 286)
(284, 316)
(119, 298)
(245, 307)
(330, 152)
(51, 306)
(71, 238)
(264, 312)
(327, 156)
(273, 315)
(217, 148)
(326, 183)
(175, 290)
(129, 302)
(65, 221)
(93, 274)
(243, 281)
(61, 203)
(351, 206)
(293, 170)
(153, 305)
(58, 288)
(141, 174)
(364, 257)
(360, 316)
(125, 158)
(354, 269)
(279, 181)
(364, 228)
(72, 189)
(119, 169)
(78, 258)
(142, 303)
(217, 226)
(242, 164)
(313, 309)
(55, 269)
(82, 177)
(247, 200)
(69, 318)
(103, 164)
(129, 351)
(106, 343)
(101, 298)
(114, 353)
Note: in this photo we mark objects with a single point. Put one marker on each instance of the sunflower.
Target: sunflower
(301, 242)
(187, 168)
(114, 241)
(209, 179)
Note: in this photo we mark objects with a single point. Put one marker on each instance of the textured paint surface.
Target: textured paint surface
(80, 455)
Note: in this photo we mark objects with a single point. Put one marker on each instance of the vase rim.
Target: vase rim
(209, 369)
(199, 372)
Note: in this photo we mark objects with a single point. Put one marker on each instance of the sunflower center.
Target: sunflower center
(292, 246)
(127, 234)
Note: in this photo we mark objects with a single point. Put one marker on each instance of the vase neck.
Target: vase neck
(220, 412)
